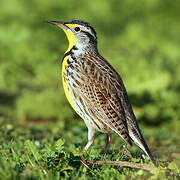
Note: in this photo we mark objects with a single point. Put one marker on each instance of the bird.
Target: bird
(95, 90)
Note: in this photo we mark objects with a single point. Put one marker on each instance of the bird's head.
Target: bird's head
(79, 33)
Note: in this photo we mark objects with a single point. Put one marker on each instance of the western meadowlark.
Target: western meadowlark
(94, 88)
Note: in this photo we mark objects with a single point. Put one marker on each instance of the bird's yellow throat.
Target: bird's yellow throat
(71, 37)
(72, 42)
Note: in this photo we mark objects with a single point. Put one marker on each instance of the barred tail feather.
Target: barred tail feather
(139, 141)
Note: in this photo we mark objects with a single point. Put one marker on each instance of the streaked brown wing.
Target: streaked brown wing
(100, 90)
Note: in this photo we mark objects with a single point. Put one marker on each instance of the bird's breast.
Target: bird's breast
(72, 79)
(80, 92)
(66, 81)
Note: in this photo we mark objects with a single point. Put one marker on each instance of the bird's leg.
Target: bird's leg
(108, 139)
(91, 136)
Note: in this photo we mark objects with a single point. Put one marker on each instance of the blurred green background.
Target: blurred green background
(141, 39)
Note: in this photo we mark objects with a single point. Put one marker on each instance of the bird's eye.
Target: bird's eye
(77, 29)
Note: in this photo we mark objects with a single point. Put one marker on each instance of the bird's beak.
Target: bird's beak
(69, 33)
(59, 24)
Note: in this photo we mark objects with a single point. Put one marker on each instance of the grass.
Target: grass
(43, 150)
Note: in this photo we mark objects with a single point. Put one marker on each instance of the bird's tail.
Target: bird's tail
(137, 137)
